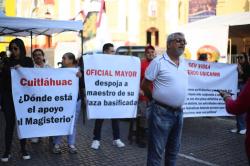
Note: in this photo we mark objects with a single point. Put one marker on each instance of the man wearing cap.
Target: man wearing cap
(170, 81)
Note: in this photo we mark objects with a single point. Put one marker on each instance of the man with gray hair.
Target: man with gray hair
(170, 81)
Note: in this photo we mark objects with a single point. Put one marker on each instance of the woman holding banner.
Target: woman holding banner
(243, 75)
(17, 59)
(238, 107)
(69, 60)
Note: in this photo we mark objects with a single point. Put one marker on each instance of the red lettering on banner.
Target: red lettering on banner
(203, 73)
(204, 66)
(191, 72)
(193, 65)
(210, 73)
(44, 82)
(98, 72)
(119, 73)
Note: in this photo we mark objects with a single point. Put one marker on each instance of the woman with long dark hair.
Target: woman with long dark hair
(17, 59)
(243, 75)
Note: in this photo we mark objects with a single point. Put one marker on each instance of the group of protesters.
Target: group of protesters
(164, 84)
(18, 59)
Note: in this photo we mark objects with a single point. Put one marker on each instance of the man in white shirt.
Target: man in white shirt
(170, 81)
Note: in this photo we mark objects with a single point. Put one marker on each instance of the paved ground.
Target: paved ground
(205, 141)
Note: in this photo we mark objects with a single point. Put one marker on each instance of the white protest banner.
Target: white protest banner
(45, 100)
(112, 85)
(204, 79)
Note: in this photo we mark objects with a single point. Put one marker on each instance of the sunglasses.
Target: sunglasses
(178, 40)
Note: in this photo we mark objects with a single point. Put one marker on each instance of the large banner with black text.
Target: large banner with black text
(205, 79)
(112, 85)
(45, 100)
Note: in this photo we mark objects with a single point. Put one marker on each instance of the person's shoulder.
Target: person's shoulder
(47, 66)
(27, 58)
(183, 59)
(143, 60)
(6, 61)
(158, 59)
(27, 62)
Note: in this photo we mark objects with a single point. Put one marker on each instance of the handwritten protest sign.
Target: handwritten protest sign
(45, 101)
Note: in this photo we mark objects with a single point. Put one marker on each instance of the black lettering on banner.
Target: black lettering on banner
(130, 93)
(94, 103)
(206, 100)
(33, 98)
(65, 97)
(126, 84)
(108, 83)
(101, 93)
(121, 93)
(119, 102)
(30, 110)
(45, 120)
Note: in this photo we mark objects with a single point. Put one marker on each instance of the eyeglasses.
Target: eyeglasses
(240, 57)
(178, 40)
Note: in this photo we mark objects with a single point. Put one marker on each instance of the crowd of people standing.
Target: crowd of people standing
(164, 83)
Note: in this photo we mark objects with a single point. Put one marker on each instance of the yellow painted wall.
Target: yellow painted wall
(145, 22)
(183, 6)
(223, 7)
(157, 22)
(232, 6)
(10, 9)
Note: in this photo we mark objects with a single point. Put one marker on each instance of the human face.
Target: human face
(15, 50)
(66, 62)
(150, 54)
(111, 50)
(38, 57)
(241, 59)
(178, 45)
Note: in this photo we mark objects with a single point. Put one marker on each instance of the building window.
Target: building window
(152, 8)
(152, 36)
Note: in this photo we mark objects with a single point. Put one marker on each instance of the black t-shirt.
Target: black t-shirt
(8, 63)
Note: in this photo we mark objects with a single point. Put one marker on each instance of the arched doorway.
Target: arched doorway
(152, 36)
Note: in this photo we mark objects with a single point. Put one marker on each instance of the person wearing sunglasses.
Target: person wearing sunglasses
(17, 59)
(165, 120)
(243, 75)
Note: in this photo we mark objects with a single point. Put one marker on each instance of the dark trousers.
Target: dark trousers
(10, 119)
(98, 129)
